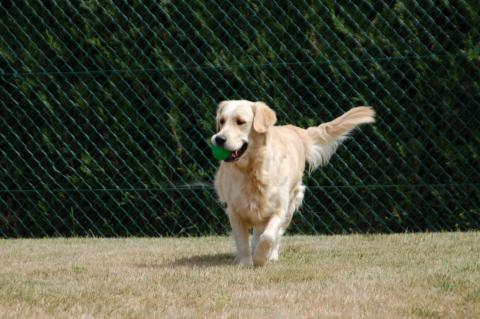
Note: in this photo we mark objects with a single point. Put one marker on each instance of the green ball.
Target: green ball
(220, 153)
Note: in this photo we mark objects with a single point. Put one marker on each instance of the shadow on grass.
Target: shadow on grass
(195, 261)
(205, 261)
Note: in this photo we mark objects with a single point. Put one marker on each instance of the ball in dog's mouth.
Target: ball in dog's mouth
(238, 153)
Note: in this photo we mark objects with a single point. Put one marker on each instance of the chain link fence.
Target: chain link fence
(106, 107)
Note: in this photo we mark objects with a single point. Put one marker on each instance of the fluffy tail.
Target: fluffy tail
(323, 140)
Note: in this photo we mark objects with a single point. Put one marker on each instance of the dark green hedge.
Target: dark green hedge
(105, 109)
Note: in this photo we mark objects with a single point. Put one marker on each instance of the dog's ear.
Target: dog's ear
(264, 117)
(219, 111)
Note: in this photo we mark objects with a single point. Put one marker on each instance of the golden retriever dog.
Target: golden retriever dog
(260, 184)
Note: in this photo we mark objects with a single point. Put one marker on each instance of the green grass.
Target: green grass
(371, 276)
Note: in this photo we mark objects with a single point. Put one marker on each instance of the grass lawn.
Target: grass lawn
(370, 276)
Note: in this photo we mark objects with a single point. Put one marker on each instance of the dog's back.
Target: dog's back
(316, 145)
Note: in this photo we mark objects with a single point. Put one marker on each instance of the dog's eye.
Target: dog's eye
(240, 122)
(222, 121)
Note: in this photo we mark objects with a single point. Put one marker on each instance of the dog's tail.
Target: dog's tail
(323, 140)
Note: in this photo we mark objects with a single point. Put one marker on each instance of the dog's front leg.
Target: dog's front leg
(240, 235)
(257, 231)
(267, 239)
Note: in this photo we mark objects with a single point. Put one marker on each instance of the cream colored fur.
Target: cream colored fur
(263, 188)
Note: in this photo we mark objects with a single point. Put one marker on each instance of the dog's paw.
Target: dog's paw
(245, 261)
(273, 255)
(262, 251)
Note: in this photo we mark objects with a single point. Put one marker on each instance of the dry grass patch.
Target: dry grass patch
(372, 276)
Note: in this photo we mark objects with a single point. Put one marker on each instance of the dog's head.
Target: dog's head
(239, 123)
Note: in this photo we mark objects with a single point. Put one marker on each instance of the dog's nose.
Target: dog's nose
(220, 140)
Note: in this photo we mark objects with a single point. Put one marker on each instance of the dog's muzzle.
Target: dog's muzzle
(238, 153)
